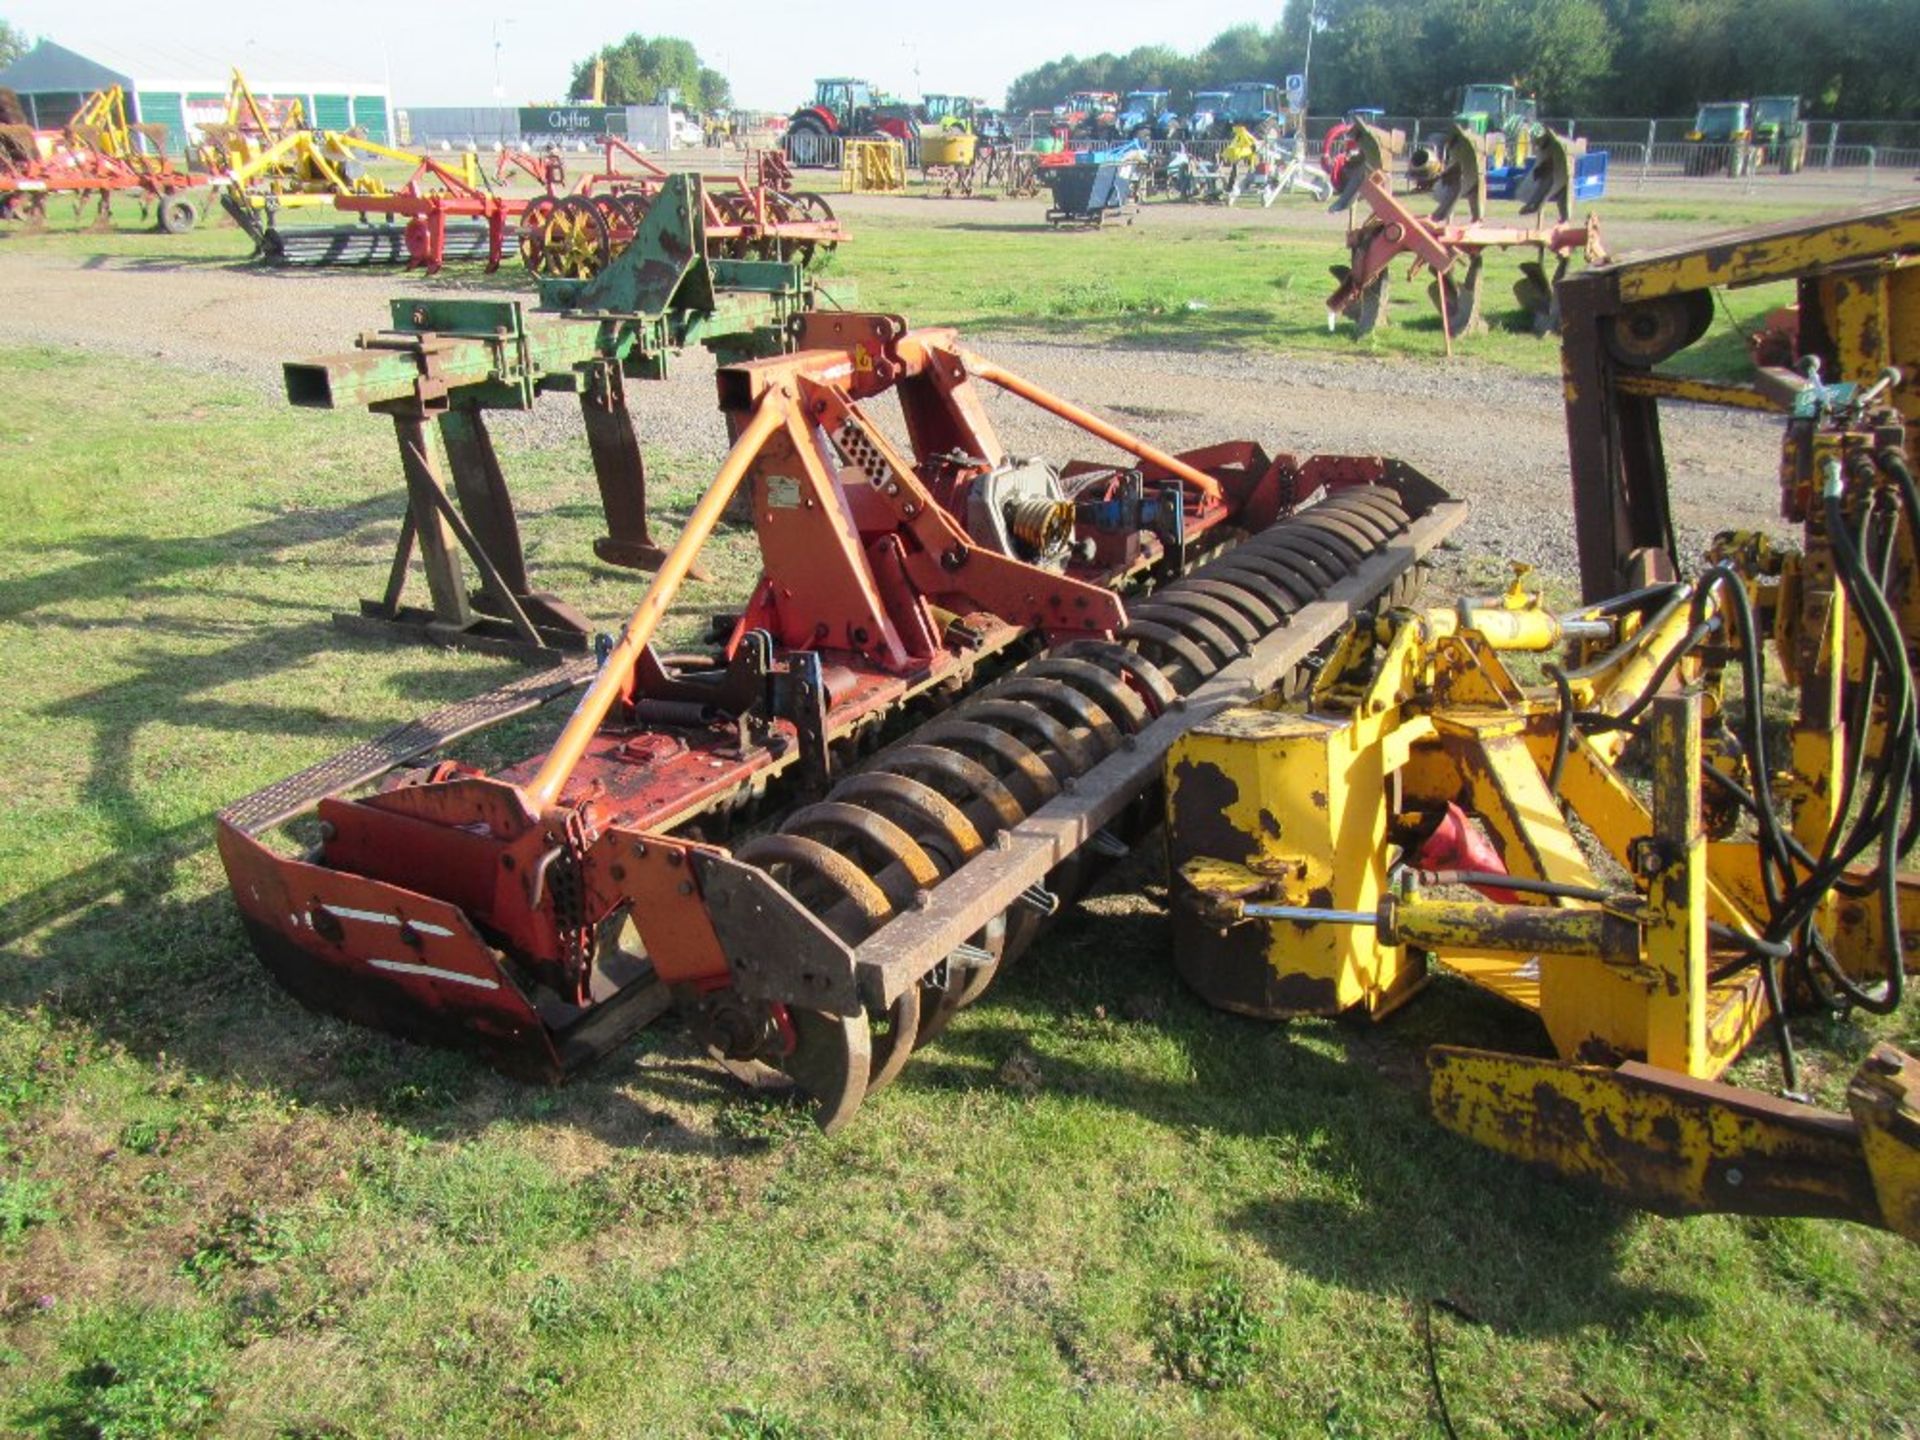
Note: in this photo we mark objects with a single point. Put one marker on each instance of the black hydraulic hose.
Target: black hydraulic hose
(1857, 727)
(1776, 863)
(1743, 797)
(1639, 599)
(1521, 884)
(1892, 779)
(1888, 654)
(1625, 720)
(1563, 741)
(1894, 465)
(1782, 1032)
(1838, 853)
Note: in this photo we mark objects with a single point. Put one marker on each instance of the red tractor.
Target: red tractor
(847, 109)
(1087, 114)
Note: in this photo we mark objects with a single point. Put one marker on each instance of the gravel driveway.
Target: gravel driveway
(1489, 435)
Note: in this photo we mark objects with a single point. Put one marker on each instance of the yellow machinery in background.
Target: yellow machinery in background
(264, 158)
(873, 167)
(1615, 838)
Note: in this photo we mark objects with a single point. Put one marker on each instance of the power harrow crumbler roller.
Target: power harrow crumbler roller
(1053, 631)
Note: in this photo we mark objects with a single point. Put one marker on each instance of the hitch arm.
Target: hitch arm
(1092, 424)
(768, 416)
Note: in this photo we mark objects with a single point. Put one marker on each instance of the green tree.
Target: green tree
(1856, 59)
(647, 72)
(13, 43)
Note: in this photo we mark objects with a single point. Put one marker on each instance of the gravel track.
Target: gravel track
(1491, 436)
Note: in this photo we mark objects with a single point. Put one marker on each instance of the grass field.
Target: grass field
(1095, 1207)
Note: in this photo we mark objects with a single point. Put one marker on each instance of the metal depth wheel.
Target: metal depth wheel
(827, 1058)
(533, 224)
(176, 215)
(574, 242)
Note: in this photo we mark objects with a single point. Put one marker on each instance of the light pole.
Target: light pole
(1306, 78)
(499, 89)
(1306, 65)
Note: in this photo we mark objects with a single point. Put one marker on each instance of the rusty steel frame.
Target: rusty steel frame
(1442, 246)
(447, 362)
(1858, 276)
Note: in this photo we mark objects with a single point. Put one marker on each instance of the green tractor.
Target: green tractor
(1502, 117)
(1779, 133)
(1721, 139)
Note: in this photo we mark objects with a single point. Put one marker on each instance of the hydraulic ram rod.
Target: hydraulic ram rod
(1092, 424)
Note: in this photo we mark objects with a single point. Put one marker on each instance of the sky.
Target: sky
(439, 53)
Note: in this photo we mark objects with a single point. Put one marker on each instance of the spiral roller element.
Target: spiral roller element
(924, 806)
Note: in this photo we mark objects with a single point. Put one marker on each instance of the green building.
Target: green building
(184, 90)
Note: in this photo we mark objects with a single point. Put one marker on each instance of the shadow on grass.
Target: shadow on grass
(174, 979)
(1391, 1203)
(173, 688)
(159, 677)
(1367, 1192)
(116, 566)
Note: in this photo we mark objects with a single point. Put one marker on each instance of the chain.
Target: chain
(566, 883)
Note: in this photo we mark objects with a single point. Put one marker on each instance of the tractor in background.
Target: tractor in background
(1721, 139)
(1779, 133)
(845, 108)
(1087, 114)
(1500, 116)
(1208, 107)
(1257, 104)
(1149, 115)
(950, 112)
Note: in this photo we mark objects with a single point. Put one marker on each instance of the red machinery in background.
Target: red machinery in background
(538, 912)
(99, 155)
(571, 231)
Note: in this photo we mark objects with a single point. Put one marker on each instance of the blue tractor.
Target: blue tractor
(1149, 115)
(1256, 104)
(1208, 106)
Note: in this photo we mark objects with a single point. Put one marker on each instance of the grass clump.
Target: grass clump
(25, 1203)
(136, 1374)
(1211, 1340)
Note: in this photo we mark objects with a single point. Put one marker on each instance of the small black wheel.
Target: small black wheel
(177, 215)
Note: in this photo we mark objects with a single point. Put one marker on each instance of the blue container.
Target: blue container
(1590, 176)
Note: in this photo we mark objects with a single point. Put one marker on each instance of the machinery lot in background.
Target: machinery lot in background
(306, 1225)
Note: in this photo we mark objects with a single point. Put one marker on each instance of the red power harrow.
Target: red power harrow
(732, 832)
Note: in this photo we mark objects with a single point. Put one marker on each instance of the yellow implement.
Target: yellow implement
(873, 167)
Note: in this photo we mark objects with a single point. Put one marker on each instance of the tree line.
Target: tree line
(647, 72)
(1851, 59)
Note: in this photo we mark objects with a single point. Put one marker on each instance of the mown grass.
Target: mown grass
(1096, 1207)
(1259, 281)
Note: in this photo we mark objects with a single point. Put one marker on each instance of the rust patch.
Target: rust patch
(1229, 969)
(1202, 794)
(1270, 822)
